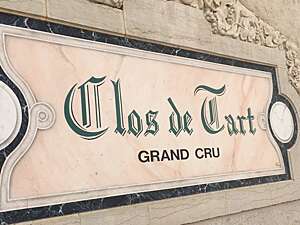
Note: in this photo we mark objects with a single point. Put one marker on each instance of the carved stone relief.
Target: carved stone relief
(231, 18)
(113, 3)
(194, 3)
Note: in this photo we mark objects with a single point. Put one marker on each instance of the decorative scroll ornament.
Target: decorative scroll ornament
(113, 3)
(231, 18)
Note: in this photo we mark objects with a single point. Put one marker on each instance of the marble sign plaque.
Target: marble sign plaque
(108, 120)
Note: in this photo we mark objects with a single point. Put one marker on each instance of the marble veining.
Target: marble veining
(89, 205)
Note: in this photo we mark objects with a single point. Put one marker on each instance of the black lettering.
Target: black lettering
(165, 155)
(184, 154)
(155, 155)
(143, 156)
(216, 152)
(231, 127)
(175, 154)
(198, 152)
(207, 151)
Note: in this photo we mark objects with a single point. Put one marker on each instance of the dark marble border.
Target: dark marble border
(103, 203)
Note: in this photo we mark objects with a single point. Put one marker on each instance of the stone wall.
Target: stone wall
(286, 213)
(185, 25)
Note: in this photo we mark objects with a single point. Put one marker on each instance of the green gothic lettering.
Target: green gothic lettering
(187, 119)
(210, 116)
(231, 126)
(153, 126)
(89, 126)
(175, 126)
(178, 123)
(119, 109)
(250, 118)
(82, 129)
(210, 122)
(135, 123)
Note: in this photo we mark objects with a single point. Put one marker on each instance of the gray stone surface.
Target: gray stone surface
(34, 7)
(86, 13)
(66, 220)
(283, 214)
(281, 14)
(123, 215)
